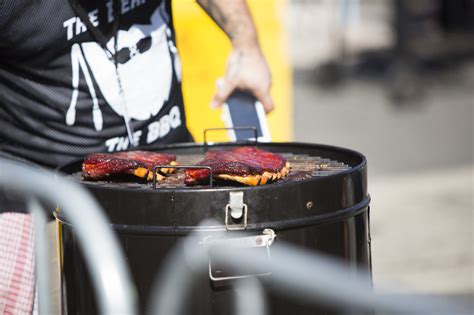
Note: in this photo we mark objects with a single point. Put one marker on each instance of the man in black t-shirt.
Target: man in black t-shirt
(90, 76)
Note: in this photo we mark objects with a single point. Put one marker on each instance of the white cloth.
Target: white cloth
(17, 277)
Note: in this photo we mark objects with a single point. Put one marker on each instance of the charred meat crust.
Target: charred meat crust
(247, 165)
(139, 163)
(255, 180)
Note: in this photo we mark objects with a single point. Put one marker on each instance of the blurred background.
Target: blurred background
(395, 81)
(391, 79)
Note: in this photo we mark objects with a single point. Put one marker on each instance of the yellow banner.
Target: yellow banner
(204, 49)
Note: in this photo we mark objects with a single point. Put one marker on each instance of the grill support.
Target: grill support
(195, 167)
(303, 166)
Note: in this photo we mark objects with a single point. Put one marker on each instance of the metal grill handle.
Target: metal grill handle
(266, 239)
(158, 167)
(253, 128)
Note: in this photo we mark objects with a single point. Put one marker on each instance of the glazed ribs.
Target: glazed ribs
(246, 165)
(139, 163)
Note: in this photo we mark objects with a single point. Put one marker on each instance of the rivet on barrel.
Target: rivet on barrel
(309, 205)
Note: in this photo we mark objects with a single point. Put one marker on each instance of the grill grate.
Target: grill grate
(302, 167)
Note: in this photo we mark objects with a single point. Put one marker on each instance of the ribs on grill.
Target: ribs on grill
(139, 163)
(246, 165)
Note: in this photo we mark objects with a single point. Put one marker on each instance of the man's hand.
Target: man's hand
(247, 68)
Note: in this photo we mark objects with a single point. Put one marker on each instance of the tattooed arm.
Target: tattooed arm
(247, 68)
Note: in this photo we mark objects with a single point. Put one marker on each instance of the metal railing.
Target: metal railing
(306, 276)
(110, 275)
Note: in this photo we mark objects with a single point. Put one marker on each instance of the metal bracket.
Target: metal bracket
(237, 209)
(265, 240)
(253, 128)
(158, 167)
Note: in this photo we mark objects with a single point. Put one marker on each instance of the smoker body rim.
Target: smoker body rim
(279, 203)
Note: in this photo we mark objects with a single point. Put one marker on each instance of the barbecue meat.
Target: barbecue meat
(140, 163)
(247, 165)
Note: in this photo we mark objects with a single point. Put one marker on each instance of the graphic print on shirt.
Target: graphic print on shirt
(144, 66)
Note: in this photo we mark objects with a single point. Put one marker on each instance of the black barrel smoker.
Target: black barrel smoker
(322, 205)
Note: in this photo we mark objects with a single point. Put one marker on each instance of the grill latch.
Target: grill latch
(238, 211)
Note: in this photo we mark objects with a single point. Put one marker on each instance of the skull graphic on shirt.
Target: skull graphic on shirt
(145, 70)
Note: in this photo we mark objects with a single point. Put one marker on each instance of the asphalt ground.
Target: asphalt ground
(420, 160)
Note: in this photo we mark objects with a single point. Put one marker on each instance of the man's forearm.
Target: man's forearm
(247, 68)
(234, 18)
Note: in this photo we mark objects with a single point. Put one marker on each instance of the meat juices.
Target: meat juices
(139, 163)
(247, 165)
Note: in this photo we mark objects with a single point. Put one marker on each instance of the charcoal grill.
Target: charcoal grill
(322, 205)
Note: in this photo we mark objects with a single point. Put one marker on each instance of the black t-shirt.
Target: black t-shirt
(59, 89)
